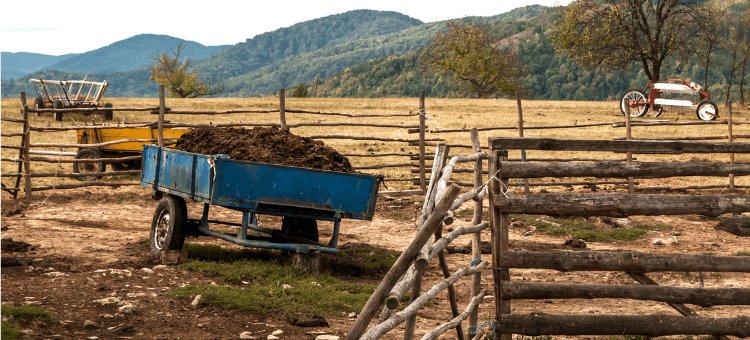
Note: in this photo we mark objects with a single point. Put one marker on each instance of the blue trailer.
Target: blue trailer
(301, 196)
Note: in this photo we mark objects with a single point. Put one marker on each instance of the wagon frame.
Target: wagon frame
(61, 94)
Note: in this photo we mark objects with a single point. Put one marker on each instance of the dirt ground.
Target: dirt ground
(81, 255)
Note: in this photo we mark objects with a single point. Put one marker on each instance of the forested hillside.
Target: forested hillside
(549, 75)
(14, 65)
(376, 54)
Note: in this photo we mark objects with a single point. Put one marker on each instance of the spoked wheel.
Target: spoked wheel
(707, 111)
(166, 227)
(304, 228)
(38, 103)
(89, 167)
(637, 102)
(655, 112)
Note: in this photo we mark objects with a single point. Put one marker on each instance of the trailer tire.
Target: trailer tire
(707, 111)
(38, 103)
(634, 95)
(108, 114)
(305, 228)
(58, 115)
(166, 226)
(93, 168)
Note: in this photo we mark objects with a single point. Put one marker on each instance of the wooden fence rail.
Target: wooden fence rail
(636, 264)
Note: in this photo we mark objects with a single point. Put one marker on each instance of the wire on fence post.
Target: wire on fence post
(422, 179)
(282, 109)
(26, 146)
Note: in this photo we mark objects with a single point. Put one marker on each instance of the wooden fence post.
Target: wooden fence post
(315, 90)
(499, 233)
(520, 134)
(282, 108)
(162, 109)
(26, 146)
(731, 139)
(422, 179)
(476, 242)
(629, 136)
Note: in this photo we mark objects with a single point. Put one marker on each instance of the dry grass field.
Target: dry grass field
(94, 238)
(443, 114)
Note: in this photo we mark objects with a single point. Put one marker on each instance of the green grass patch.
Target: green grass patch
(24, 313)
(586, 229)
(709, 253)
(20, 314)
(742, 253)
(401, 215)
(253, 281)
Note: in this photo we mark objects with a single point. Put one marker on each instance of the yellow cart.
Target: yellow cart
(97, 136)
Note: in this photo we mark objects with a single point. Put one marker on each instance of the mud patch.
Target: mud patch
(264, 145)
(9, 246)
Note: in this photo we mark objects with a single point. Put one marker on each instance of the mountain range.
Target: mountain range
(362, 53)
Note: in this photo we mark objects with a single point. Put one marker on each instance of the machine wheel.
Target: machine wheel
(58, 115)
(300, 227)
(89, 168)
(108, 114)
(657, 112)
(707, 111)
(166, 227)
(640, 109)
(38, 103)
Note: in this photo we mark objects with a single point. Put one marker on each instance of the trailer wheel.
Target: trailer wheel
(89, 168)
(58, 115)
(108, 114)
(707, 111)
(166, 227)
(38, 103)
(638, 96)
(300, 227)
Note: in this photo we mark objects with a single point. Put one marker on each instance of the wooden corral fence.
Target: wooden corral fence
(635, 264)
(441, 200)
(417, 157)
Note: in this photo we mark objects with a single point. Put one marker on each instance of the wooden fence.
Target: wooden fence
(633, 263)
(417, 163)
(406, 274)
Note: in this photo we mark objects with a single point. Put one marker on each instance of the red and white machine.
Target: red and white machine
(639, 103)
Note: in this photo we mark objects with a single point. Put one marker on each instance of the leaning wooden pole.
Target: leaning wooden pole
(476, 241)
(162, 111)
(401, 265)
(422, 179)
(26, 146)
(731, 139)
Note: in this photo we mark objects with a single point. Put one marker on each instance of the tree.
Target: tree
(616, 33)
(178, 78)
(300, 91)
(708, 38)
(738, 47)
(471, 53)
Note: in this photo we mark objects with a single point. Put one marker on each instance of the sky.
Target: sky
(57, 28)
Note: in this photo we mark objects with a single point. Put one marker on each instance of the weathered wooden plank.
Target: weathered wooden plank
(622, 205)
(620, 169)
(650, 325)
(737, 225)
(636, 146)
(624, 261)
(704, 297)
